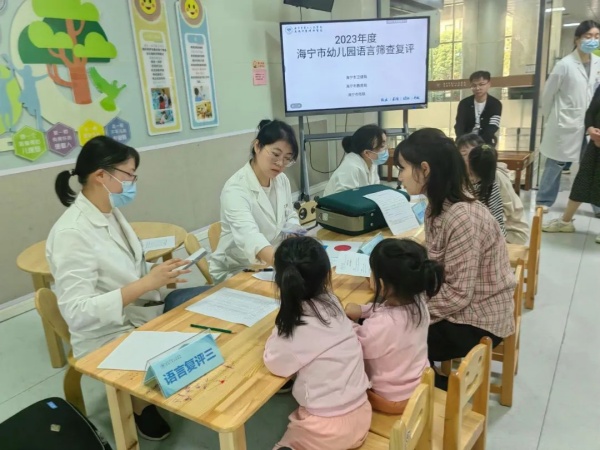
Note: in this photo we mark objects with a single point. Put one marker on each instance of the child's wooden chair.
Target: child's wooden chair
(531, 256)
(214, 235)
(508, 351)
(192, 246)
(412, 430)
(456, 426)
(47, 307)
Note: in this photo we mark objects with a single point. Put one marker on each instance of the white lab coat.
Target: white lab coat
(248, 222)
(352, 173)
(90, 265)
(566, 97)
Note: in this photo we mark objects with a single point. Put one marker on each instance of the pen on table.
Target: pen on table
(268, 269)
(202, 327)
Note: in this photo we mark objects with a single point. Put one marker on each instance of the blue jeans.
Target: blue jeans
(550, 182)
(180, 296)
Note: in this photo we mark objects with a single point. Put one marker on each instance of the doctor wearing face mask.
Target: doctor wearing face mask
(103, 284)
(366, 150)
(566, 97)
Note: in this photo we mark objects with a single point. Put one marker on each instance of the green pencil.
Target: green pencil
(193, 325)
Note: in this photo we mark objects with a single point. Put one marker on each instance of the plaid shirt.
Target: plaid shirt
(479, 282)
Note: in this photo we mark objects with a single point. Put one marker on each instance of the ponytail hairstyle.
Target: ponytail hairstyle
(482, 163)
(368, 137)
(100, 152)
(401, 269)
(303, 276)
(271, 131)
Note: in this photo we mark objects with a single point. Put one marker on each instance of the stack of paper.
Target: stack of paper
(235, 306)
(335, 249)
(355, 264)
(140, 346)
(396, 210)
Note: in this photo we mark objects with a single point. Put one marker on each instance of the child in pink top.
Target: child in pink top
(314, 339)
(394, 333)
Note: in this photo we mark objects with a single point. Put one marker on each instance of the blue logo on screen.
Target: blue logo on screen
(289, 30)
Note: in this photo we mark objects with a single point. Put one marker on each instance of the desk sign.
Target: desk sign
(183, 364)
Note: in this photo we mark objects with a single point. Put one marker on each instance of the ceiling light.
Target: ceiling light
(549, 10)
(572, 24)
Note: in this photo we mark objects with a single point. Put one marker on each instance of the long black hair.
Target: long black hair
(583, 28)
(100, 152)
(368, 137)
(448, 178)
(483, 160)
(401, 268)
(271, 131)
(303, 276)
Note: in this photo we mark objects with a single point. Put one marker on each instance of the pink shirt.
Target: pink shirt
(395, 349)
(328, 359)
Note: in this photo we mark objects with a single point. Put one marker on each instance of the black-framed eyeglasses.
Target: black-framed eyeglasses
(135, 177)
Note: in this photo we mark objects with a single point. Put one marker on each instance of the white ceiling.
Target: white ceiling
(580, 10)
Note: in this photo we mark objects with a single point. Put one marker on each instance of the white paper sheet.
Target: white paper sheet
(235, 306)
(158, 243)
(265, 276)
(355, 264)
(140, 346)
(396, 209)
(335, 249)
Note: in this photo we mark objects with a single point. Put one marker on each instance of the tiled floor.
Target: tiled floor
(557, 391)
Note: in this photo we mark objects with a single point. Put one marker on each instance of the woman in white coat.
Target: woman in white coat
(256, 203)
(103, 284)
(566, 97)
(365, 150)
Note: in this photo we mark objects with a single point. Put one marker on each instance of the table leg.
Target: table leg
(235, 440)
(53, 340)
(518, 181)
(121, 415)
(167, 257)
(528, 177)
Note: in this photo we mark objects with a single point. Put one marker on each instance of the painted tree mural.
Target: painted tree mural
(69, 35)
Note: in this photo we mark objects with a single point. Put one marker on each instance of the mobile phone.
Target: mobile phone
(193, 259)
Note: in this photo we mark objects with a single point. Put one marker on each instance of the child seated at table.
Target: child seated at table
(394, 332)
(314, 339)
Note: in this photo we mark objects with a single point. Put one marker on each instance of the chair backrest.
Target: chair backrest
(518, 295)
(470, 381)
(47, 307)
(192, 246)
(413, 431)
(214, 234)
(535, 241)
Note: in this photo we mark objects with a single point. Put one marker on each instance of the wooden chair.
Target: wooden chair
(460, 416)
(531, 256)
(47, 306)
(214, 234)
(192, 246)
(508, 351)
(410, 431)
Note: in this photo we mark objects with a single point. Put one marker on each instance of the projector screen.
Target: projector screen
(354, 65)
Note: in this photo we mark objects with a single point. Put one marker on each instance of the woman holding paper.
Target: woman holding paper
(476, 298)
(103, 285)
(365, 151)
(256, 203)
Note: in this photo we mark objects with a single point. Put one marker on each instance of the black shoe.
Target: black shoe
(150, 425)
(441, 382)
(286, 388)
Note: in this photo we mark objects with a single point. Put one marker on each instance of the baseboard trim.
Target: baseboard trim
(16, 307)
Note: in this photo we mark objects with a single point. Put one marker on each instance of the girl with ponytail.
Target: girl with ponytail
(394, 332)
(314, 339)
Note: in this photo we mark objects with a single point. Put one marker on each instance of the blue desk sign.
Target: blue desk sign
(419, 210)
(183, 364)
(367, 247)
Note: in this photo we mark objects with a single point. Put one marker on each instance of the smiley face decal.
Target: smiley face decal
(149, 9)
(149, 6)
(192, 11)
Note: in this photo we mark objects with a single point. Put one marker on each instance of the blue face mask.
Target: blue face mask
(382, 157)
(589, 45)
(123, 198)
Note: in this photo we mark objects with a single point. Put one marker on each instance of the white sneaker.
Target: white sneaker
(545, 209)
(558, 226)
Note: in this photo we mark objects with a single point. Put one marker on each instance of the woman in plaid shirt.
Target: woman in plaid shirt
(476, 299)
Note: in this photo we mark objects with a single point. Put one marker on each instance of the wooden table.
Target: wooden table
(226, 398)
(33, 261)
(518, 161)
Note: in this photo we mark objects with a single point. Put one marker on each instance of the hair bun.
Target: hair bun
(263, 123)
